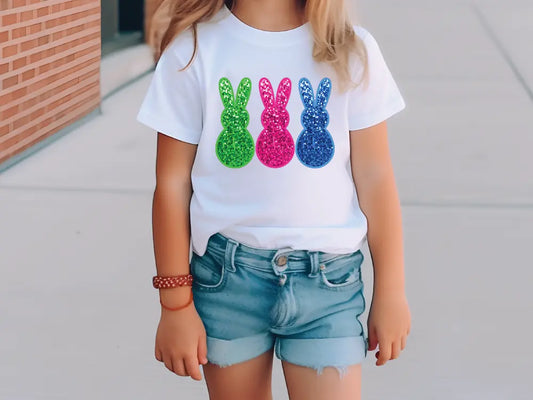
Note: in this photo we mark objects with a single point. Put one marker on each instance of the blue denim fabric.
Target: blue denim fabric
(305, 303)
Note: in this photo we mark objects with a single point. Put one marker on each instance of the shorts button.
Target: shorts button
(281, 260)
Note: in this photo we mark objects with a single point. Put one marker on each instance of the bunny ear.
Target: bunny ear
(306, 92)
(226, 92)
(243, 92)
(284, 92)
(323, 92)
(266, 92)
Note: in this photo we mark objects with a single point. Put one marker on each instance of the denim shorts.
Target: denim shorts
(306, 304)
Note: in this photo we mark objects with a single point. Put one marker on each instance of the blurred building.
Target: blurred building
(50, 58)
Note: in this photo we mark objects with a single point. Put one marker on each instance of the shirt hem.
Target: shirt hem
(178, 132)
(373, 119)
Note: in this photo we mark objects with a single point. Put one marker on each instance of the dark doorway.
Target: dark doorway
(122, 24)
(131, 15)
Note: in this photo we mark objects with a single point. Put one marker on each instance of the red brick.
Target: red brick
(35, 28)
(28, 103)
(19, 3)
(36, 56)
(44, 68)
(43, 40)
(51, 23)
(36, 114)
(4, 68)
(4, 36)
(28, 75)
(26, 15)
(19, 63)
(4, 130)
(43, 11)
(20, 122)
(75, 29)
(9, 51)
(17, 94)
(8, 82)
(5, 4)
(58, 35)
(19, 32)
(9, 19)
(10, 112)
(29, 44)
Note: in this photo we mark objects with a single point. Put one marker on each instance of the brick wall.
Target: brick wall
(49, 68)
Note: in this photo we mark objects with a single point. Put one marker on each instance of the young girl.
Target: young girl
(272, 161)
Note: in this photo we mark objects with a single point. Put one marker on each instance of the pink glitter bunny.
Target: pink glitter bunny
(275, 145)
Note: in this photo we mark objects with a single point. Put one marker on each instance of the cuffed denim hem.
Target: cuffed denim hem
(227, 352)
(338, 352)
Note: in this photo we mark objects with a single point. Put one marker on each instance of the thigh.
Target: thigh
(304, 383)
(246, 380)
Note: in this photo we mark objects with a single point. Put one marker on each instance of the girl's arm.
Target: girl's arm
(378, 198)
(389, 317)
(181, 338)
(170, 213)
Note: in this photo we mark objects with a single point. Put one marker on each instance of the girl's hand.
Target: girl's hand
(389, 323)
(181, 342)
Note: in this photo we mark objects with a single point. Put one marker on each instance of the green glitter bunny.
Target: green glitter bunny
(235, 146)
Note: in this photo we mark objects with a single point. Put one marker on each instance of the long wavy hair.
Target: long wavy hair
(335, 41)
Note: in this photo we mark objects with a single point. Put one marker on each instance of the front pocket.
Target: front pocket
(342, 273)
(207, 272)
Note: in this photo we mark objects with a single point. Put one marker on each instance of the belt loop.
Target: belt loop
(229, 256)
(313, 255)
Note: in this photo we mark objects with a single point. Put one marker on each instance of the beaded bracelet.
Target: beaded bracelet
(166, 282)
(179, 307)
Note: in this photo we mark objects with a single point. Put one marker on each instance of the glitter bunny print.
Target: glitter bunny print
(275, 145)
(235, 145)
(314, 146)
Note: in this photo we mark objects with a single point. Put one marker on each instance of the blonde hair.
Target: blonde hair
(335, 41)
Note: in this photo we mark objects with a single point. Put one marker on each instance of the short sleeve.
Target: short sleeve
(172, 105)
(377, 99)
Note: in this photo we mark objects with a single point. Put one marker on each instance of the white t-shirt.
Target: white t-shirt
(272, 168)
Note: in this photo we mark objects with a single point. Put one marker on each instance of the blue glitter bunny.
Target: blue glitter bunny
(235, 146)
(315, 146)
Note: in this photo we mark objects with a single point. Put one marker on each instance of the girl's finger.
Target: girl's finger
(395, 349)
(158, 355)
(372, 340)
(384, 352)
(179, 368)
(192, 369)
(167, 360)
(202, 350)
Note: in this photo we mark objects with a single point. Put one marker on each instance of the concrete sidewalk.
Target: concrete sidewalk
(78, 313)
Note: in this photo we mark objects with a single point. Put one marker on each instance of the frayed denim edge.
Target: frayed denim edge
(342, 370)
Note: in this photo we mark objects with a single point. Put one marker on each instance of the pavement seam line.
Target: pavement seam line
(501, 48)
(77, 189)
(451, 204)
(407, 203)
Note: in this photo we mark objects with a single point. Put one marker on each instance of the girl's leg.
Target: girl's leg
(304, 383)
(245, 380)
